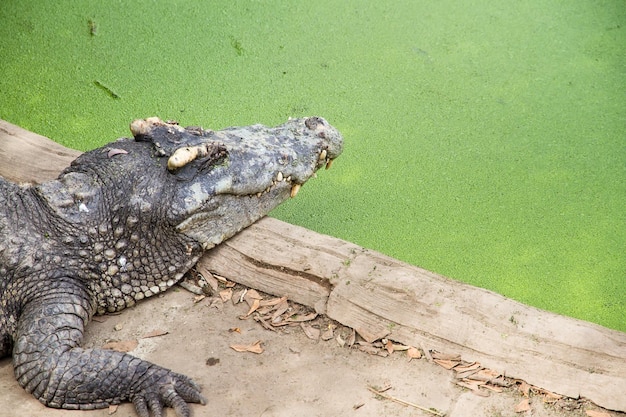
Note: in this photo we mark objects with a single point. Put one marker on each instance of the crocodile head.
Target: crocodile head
(133, 216)
(228, 179)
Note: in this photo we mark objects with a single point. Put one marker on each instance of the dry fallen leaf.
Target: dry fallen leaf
(155, 333)
(123, 346)
(254, 347)
(446, 356)
(523, 406)
(255, 305)
(446, 363)
(400, 348)
(113, 409)
(252, 295)
(280, 309)
(413, 353)
(484, 375)
(198, 298)
(226, 294)
(310, 331)
(474, 366)
(273, 301)
(298, 318)
(389, 346)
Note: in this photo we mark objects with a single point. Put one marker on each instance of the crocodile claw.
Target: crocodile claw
(171, 390)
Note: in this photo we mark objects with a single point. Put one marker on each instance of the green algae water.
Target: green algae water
(485, 141)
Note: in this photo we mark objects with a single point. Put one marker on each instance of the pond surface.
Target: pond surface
(484, 140)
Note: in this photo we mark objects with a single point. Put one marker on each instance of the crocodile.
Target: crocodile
(125, 222)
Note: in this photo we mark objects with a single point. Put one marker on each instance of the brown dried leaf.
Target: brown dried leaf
(389, 346)
(595, 413)
(252, 295)
(469, 367)
(281, 308)
(198, 298)
(523, 406)
(113, 409)
(273, 301)
(446, 356)
(466, 374)
(226, 294)
(299, 318)
(400, 348)
(255, 304)
(310, 331)
(484, 375)
(254, 347)
(446, 363)
(474, 383)
(122, 346)
(264, 323)
(413, 353)
(155, 333)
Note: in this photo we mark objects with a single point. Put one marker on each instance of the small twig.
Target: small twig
(110, 92)
(399, 401)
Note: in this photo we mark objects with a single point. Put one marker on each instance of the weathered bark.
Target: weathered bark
(383, 297)
(28, 157)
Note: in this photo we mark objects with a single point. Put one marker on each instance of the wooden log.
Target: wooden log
(382, 297)
(28, 157)
(388, 298)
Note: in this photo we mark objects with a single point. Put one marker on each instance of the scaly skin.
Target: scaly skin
(123, 223)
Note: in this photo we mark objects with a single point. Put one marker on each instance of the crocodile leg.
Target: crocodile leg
(50, 364)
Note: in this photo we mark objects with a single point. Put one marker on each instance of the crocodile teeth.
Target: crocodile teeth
(294, 190)
(323, 154)
(279, 176)
(329, 163)
(182, 157)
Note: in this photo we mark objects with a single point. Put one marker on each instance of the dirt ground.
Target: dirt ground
(294, 376)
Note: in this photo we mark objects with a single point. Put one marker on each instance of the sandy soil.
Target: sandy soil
(294, 376)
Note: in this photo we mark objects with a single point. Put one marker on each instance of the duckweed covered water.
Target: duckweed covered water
(484, 141)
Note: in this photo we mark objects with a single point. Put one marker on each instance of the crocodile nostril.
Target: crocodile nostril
(314, 122)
